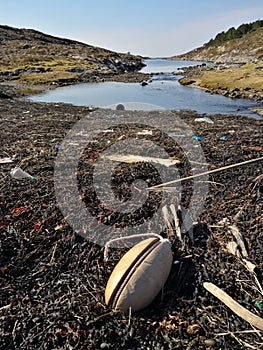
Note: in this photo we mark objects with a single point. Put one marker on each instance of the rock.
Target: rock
(144, 83)
(187, 82)
(4, 95)
(120, 107)
(209, 342)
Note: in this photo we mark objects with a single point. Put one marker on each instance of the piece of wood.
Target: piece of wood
(6, 160)
(239, 310)
(206, 173)
(239, 238)
(130, 158)
(166, 219)
(176, 222)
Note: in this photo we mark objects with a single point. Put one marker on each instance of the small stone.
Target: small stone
(209, 342)
(104, 346)
(120, 107)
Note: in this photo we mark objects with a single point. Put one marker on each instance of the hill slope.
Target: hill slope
(29, 56)
(238, 69)
(248, 48)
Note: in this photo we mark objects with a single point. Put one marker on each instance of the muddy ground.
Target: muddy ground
(53, 281)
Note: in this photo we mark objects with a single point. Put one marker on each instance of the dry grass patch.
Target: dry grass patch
(46, 78)
(243, 78)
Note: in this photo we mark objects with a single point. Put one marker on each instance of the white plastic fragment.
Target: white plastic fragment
(205, 120)
(145, 132)
(18, 174)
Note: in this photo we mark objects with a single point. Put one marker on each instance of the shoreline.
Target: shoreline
(193, 76)
(234, 80)
(12, 89)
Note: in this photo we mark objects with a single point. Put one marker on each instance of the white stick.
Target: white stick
(205, 173)
(248, 316)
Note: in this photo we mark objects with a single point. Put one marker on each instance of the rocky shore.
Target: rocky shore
(13, 89)
(231, 80)
(237, 71)
(33, 61)
(53, 282)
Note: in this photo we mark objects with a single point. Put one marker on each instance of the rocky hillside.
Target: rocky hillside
(31, 57)
(246, 49)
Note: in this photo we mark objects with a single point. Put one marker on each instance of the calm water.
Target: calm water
(164, 91)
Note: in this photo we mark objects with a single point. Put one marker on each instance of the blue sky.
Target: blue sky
(156, 28)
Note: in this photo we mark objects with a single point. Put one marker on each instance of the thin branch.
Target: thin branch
(206, 173)
(248, 316)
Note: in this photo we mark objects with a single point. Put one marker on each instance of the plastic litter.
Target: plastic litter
(145, 132)
(176, 135)
(205, 120)
(197, 138)
(57, 147)
(223, 138)
(18, 173)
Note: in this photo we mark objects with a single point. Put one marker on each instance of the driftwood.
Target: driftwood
(239, 238)
(176, 222)
(239, 310)
(206, 173)
(129, 158)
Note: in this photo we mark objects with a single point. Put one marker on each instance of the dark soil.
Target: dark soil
(53, 281)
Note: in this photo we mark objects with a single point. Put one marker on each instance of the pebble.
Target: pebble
(209, 342)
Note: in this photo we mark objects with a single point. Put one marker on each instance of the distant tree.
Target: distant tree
(220, 38)
(233, 33)
(230, 34)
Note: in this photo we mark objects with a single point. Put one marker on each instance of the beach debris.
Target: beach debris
(259, 305)
(176, 135)
(186, 222)
(120, 107)
(19, 174)
(139, 275)
(239, 238)
(206, 173)
(134, 158)
(176, 222)
(18, 211)
(145, 132)
(107, 130)
(233, 248)
(223, 138)
(6, 160)
(197, 138)
(179, 221)
(238, 309)
(166, 217)
(205, 120)
(252, 148)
